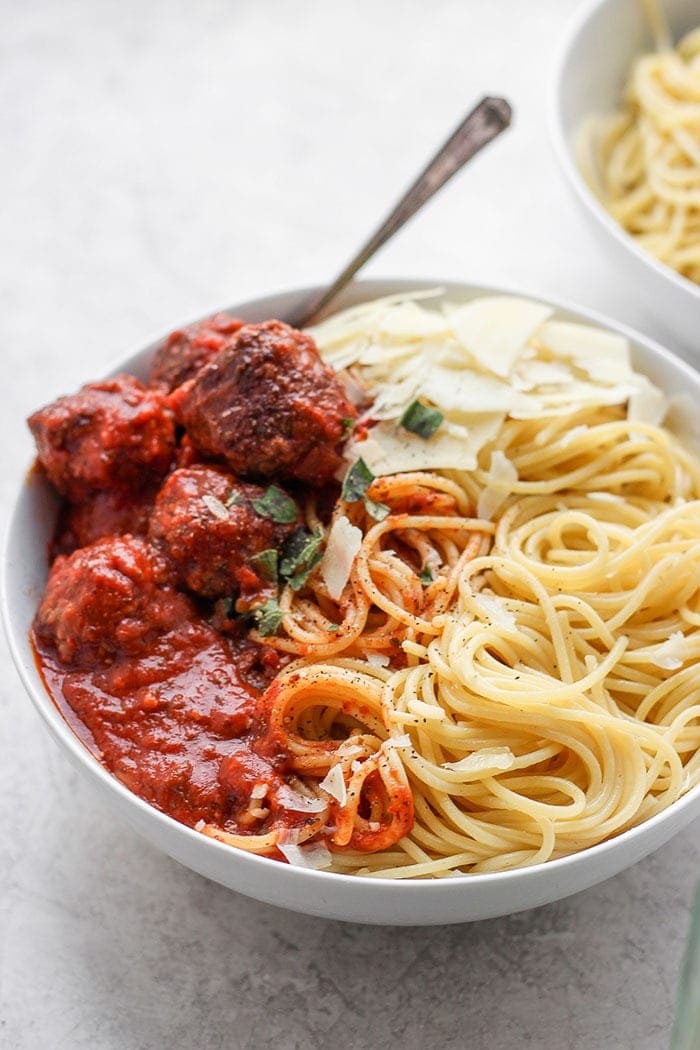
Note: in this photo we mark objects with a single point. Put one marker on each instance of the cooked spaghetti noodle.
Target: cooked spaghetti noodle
(644, 162)
(485, 694)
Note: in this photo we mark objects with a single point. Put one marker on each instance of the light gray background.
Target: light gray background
(161, 158)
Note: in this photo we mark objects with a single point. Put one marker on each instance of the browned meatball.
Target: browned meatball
(269, 406)
(108, 598)
(184, 352)
(114, 512)
(209, 529)
(109, 435)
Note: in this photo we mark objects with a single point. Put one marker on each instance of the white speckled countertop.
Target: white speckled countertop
(163, 158)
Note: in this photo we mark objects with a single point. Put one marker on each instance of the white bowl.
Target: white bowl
(590, 72)
(357, 899)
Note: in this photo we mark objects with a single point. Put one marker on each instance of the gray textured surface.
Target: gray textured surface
(162, 158)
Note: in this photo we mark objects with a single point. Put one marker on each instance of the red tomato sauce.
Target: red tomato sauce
(164, 721)
(175, 517)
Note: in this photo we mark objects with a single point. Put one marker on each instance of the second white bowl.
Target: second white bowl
(590, 73)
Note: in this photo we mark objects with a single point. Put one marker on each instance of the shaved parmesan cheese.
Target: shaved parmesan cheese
(298, 803)
(377, 659)
(316, 855)
(398, 742)
(476, 362)
(484, 761)
(334, 784)
(533, 373)
(216, 507)
(200, 825)
(470, 392)
(495, 609)
(389, 449)
(408, 321)
(344, 541)
(669, 655)
(494, 329)
(499, 485)
(259, 790)
(646, 403)
(603, 356)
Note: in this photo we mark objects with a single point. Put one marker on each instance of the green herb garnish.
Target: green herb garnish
(357, 480)
(347, 424)
(268, 617)
(421, 420)
(265, 564)
(276, 505)
(426, 575)
(301, 554)
(297, 581)
(378, 511)
(234, 498)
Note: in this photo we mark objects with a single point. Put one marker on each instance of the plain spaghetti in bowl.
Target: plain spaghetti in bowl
(454, 632)
(643, 163)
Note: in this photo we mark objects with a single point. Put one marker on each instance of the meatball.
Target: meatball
(269, 406)
(184, 352)
(206, 525)
(109, 435)
(108, 598)
(114, 512)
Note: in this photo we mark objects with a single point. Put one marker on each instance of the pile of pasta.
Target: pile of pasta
(644, 162)
(505, 670)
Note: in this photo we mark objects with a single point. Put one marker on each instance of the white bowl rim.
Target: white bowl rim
(562, 150)
(454, 886)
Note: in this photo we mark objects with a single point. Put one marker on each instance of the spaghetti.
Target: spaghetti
(535, 694)
(644, 162)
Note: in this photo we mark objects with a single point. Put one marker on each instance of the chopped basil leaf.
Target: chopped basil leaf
(426, 575)
(348, 424)
(301, 554)
(266, 563)
(333, 627)
(276, 505)
(234, 498)
(357, 480)
(421, 420)
(226, 605)
(378, 511)
(300, 546)
(297, 581)
(268, 617)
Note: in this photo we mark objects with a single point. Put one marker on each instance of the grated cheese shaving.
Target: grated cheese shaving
(298, 803)
(646, 403)
(499, 485)
(377, 659)
(670, 655)
(602, 355)
(344, 541)
(488, 758)
(495, 609)
(216, 507)
(397, 742)
(494, 329)
(334, 784)
(316, 855)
